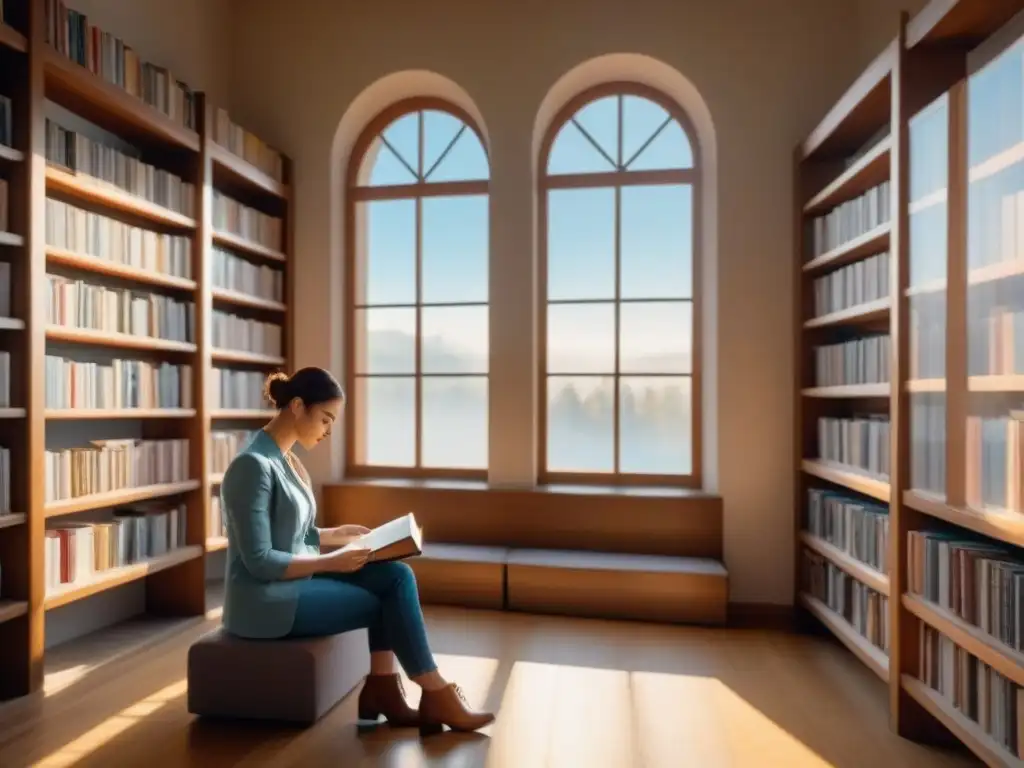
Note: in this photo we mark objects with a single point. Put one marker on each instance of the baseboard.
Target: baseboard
(762, 616)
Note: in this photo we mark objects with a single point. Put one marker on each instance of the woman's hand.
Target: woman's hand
(341, 535)
(346, 560)
(352, 531)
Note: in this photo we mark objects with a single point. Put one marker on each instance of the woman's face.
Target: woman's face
(314, 423)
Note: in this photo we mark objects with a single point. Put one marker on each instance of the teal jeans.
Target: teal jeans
(381, 598)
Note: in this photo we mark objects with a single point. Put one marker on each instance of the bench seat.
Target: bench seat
(288, 680)
(689, 590)
(461, 574)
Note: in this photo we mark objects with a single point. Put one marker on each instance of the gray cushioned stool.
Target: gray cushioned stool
(292, 680)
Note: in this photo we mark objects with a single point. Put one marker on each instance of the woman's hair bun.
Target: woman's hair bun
(276, 389)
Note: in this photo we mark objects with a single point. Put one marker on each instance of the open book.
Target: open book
(395, 540)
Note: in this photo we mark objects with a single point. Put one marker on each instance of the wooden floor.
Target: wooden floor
(568, 693)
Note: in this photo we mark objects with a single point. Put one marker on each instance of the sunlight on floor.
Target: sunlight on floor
(114, 726)
(474, 674)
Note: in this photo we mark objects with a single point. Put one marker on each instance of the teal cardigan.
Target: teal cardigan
(270, 515)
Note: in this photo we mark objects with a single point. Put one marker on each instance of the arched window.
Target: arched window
(418, 294)
(620, 365)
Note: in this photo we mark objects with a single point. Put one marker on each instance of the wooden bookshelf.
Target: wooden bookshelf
(175, 580)
(940, 392)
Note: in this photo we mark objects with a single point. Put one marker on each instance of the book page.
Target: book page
(384, 535)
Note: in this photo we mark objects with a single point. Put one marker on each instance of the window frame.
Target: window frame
(356, 193)
(618, 179)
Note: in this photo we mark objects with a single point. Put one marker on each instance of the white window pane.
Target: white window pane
(455, 422)
(580, 424)
(455, 339)
(385, 341)
(385, 413)
(581, 244)
(581, 338)
(657, 242)
(656, 337)
(385, 252)
(455, 249)
(655, 425)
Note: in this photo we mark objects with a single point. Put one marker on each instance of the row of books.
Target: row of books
(981, 582)
(864, 609)
(6, 121)
(234, 389)
(927, 339)
(995, 463)
(86, 156)
(114, 465)
(858, 528)
(236, 274)
(76, 552)
(928, 443)
(5, 379)
(116, 384)
(995, 229)
(855, 284)
(850, 220)
(860, 443)
(5, 481)
(995, 340)
(255, 226)
(245, 334)
(112, 59)
(5, 289)
(857, 361)
(217, 526)
(83, 232)
(80, 304)
(225, 445)
(246, 145)
(979, 692)
(5, 204)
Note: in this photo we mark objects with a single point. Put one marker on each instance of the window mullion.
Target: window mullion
(419, 306)
(617, 415)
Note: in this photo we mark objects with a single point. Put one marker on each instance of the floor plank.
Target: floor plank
(568, 692)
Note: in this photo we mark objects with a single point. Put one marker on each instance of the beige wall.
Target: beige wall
(766, 73)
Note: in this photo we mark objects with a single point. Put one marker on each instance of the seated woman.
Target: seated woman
(279, 584)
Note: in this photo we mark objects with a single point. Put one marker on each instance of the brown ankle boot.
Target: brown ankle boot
(448, 706)
(384, 695)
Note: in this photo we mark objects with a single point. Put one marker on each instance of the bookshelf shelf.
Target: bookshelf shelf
(113, 269)
(116, 498)
(98, 192)
(227, 414)
(245, 173)
(12, 609)
(109, 106)
(11, 155)
(862, 572)
(73, 414)
(11, 324)
(11, 240)
(236, 243)
(869, 312)
(11, 520)
(855, 481)
(216, 543)
(12, 38)
(12, 413)
(965, 729)
(243, 300)
(849, 391)
(869, 243)
(115, 577)
(868, 171)
(944, 432)
(1005, 660)
(1007, 527)
(112, 339)
(250, 358)
(216, 478)
(873, 658)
